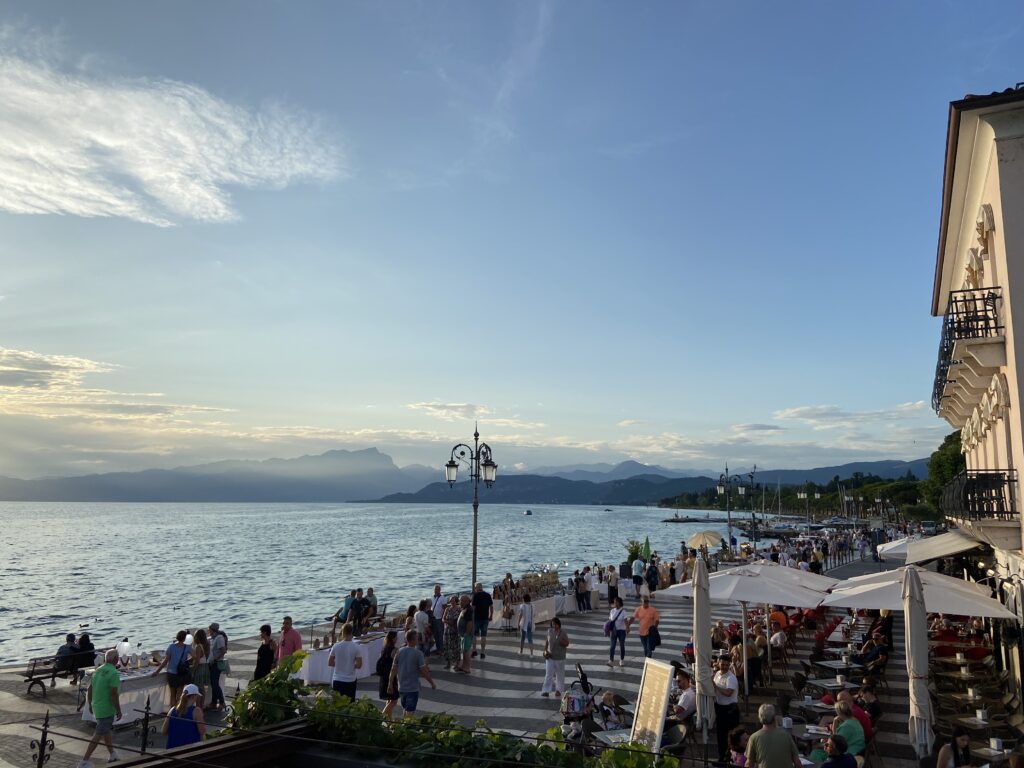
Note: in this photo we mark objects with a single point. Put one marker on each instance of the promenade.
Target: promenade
(503, 690)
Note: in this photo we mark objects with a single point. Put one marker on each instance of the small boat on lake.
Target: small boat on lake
(528, 512)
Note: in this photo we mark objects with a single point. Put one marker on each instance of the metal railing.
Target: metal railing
(971, 314)
(980, 495)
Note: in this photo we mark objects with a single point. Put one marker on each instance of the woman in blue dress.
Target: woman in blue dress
(184, 723)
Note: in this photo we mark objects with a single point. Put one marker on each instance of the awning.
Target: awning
(943, 545)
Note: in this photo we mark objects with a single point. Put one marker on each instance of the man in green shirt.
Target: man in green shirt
(105, 705)
(771, 747)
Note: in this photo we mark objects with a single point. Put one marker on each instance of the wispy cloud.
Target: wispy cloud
(744, 428)
(821, 417)
(630, 423)
(155, 151)
(452, 411)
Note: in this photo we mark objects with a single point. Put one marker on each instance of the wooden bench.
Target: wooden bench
(45, 668)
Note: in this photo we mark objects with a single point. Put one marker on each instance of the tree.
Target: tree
(945, 464)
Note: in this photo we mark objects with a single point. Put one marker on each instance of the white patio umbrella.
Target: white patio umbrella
(807, 579)
(896, 550)
(942, 594)
(741, 585)
(705, 716)
(704, 539)
(915, 619)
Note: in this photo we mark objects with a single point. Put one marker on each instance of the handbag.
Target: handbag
(654, 637)
(609, 626)
(183, 668)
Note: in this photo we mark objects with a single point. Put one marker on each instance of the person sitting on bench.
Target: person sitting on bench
(67, 661)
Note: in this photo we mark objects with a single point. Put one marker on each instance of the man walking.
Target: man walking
(437, 604)
(289, 641)
(409, 666)
(345, 659)
(483, 612)
(648, 618)
(638, 576)
(613, 585)
(105, 704)
(771, 747)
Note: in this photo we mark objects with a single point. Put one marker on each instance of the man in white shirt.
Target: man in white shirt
(346, 659)
(727, 710)
(588, 585)
(639, 566)
(686, 704)
(779, 637)
(437, 604)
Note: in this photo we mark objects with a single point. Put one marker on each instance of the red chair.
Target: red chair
(944, 651)
(976, 654)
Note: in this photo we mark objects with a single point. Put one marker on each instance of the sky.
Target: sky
(685, 233)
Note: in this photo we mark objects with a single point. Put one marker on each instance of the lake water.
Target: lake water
(147, 570)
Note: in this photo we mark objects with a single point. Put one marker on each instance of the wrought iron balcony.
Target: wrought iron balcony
(980, 495)
(971, 314)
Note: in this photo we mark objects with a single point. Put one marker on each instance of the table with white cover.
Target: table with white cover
(315, 668)
(137, 685)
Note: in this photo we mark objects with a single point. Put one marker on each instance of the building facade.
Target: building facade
(979, 293)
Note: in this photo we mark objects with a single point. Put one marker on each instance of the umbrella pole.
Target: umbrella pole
(768, 634)
(743, 650)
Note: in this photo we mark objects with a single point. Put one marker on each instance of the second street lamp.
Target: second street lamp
(725, 483)
(481, 467)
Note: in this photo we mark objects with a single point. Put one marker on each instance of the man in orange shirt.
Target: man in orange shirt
(648, 618)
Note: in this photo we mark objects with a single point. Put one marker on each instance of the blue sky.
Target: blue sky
(682, 233)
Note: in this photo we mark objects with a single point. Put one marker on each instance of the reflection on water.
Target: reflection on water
(147, 570)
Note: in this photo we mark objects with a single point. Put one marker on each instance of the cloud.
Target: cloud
(468, 411)
(51, 386)
(821, 417)
(154, 151)
(451, 411)
(739, 428)
(630, 423)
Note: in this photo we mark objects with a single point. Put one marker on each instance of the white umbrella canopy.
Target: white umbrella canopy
(807, 579)
(705, 716)
(939, 596)
(740, 585)
(704, 539)
(928, 578)
(915, 618)
(897, 550)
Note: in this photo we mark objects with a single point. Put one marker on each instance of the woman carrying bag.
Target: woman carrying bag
(554, 659)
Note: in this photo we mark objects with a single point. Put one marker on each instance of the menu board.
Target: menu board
(652, 704)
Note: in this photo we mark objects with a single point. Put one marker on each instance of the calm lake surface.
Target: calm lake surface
(147, 570)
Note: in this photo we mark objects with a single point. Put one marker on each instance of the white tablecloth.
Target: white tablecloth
(136, 686)
(315, 668)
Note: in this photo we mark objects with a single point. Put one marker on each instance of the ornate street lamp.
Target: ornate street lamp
(806, 496)
(725, 484)
(481, 467)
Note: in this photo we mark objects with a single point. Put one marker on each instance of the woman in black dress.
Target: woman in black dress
(86, 652)
(265, 653)
(384, 663)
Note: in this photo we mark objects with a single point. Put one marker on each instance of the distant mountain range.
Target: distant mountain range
(536, 489)
(339, 475)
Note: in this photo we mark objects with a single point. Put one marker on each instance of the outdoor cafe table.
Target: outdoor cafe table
(972, 723)
(992, 755)
(966, 700)
(613, 738)
(839, 665)
(831, 684)
(957, 676)
(816, 709)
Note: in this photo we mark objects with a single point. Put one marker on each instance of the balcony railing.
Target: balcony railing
(969, 315)
(980, 495)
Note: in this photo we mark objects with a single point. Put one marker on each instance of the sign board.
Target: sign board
(652, 705)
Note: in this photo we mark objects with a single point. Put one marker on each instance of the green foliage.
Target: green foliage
(943, 466)
(633, 756)
(431, 740)
(272, 699)
(634, 550)
(922, 512)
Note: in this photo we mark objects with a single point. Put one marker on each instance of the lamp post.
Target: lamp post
(725, 483)
(481, 467)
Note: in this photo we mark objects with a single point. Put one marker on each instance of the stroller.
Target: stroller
(583, 716)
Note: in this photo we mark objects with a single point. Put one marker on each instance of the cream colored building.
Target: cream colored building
(979, 292)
